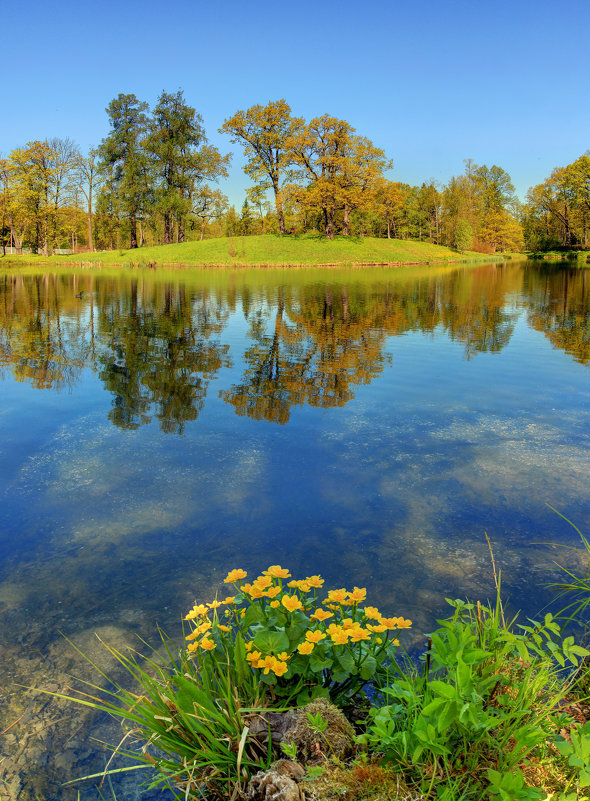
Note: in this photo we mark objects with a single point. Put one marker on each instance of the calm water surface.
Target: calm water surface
(158, 429)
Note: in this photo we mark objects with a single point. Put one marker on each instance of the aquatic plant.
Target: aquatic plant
(273, 643)
(276, 631)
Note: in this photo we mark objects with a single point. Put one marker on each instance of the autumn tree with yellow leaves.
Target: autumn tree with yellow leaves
(266, 134)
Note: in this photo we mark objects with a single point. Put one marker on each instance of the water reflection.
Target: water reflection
(417, 409)
(156, 345)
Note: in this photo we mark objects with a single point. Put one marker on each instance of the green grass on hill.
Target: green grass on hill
(253, 251)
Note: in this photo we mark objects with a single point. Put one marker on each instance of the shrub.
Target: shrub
(487, 698)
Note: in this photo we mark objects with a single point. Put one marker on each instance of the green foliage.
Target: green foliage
(576, 588)
(577, 752)
(487, 697)
(188, 716)
(289, 639)
(463, 236)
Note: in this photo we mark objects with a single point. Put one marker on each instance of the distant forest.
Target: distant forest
(152, 179)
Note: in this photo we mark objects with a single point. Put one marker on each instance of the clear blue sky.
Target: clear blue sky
(432, 83)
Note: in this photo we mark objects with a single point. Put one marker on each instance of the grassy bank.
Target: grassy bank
(271, 250)
(580, 256)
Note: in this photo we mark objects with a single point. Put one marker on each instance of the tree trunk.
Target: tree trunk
(133, 224)
(167, 228)
(330, 223)
(279, 207)
(346, 221)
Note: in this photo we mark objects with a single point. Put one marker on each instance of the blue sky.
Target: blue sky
(431, 83)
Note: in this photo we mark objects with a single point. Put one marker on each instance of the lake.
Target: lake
(158, 428)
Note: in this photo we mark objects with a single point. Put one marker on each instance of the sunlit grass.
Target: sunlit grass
(272, 250)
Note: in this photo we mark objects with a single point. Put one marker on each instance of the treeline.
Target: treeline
(151, 180)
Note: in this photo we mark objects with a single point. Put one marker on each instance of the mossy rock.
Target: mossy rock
(337, 740)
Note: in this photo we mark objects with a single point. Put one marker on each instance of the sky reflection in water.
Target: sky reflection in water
(370, 425)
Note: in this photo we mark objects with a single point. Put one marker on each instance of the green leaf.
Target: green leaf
(253, 615)
(444, 689)
(430, 708)
(317, 663)
(271, 641)
(368, 668)
(346, 662)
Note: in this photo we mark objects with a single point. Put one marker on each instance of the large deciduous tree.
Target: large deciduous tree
(341, 169)
(266, 132)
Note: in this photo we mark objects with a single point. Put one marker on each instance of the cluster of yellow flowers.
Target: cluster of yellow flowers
(351, 624)
(269, 663)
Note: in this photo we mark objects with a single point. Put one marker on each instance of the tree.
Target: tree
(341, 170)
(463, 239)
(63, 159)
(257, 197)
(208, 204)
(86, 175)
(246, 219)
(5, 170)
(29, 205)
(265, 133)
(123, 151)
(180, 159)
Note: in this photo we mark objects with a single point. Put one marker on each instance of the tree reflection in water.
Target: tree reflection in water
(156, 344)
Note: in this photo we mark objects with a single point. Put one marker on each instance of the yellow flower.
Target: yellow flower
(314, 636)
(314, 581)
(284, 656)
(291, 602)
(268, 663)
(300, 584)
(275, 604)
(348, 623)
(338, 596)
(192, 636)
(255, 592)
(378, 628)
(276, 571)
(321, 614)
(388, 622)
(214, 604)
(253, 656)
(339, 636)
(207, 644)
(372, 612)
(272, 592)
(192, 647)
(357, 595)
(205, 626)
(279, 668)
(305, 648)
(248, 646)
(395, 642)
(404, 624)
(263, 582)
(356, 635)
(229, 600)
(198, 610)
(223, 628)
(234, 575)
